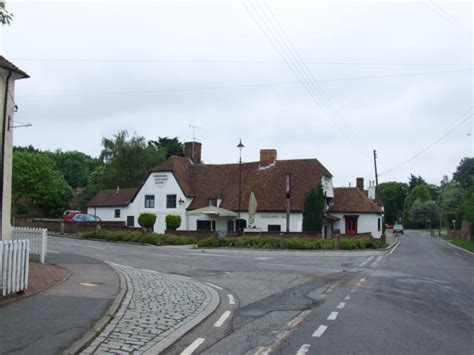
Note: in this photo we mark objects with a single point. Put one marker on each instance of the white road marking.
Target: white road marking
(341, 305)
(264, 258)
(362, 280)
(222, 319)
(231, 299)
(333, 316)
(348, 297)
(218, 287)
(367, 261)
(195, 344)
(393, 249)
(53, 251)
(303, 350)
(320, 331)
(377, 261)
(263, 350)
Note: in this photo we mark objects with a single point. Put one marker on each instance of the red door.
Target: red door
(351, 225)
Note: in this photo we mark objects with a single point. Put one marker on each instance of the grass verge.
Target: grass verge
(465, 244)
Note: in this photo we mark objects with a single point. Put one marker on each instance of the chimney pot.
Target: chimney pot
(360, 183)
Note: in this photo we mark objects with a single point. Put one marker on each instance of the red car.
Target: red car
(69, 214)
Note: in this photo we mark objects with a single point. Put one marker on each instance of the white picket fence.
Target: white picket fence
(14, 265)
(38, 238)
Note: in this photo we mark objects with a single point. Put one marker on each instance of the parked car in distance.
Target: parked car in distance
(68, 214)
(388, 226)
(397, 228)
(82, 217)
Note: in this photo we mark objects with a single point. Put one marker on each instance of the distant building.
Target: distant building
(206, 196)
(9, 73)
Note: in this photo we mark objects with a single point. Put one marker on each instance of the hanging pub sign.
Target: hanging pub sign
(288, 185)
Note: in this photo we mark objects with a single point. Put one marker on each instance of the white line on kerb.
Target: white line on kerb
(303, 350)
(341, 305)
(218, 287)
(320, 331)
(367, 261)
(333, 316)
(231, 299)
(195, 344)
(222, 319)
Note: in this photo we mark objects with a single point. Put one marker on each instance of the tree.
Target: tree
(127, 161)
(5, 16)
(37, 183)
(414, 181)
(173, 221)
(147, 220)
(393, 195)
(75, 166)
(421, 212)
(419, 192)
(464, 174)
(170, 146)
(313, 210)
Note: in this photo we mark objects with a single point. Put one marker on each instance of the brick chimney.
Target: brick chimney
(360, 183)
(192, 150)
(267, 157)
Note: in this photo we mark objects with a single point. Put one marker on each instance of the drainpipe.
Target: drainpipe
(5, 123)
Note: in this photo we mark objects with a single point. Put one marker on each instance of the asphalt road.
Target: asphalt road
(417, 300)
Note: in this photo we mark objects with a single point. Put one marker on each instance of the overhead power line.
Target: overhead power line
(223, 61)
(242, 86)
(439, 139)
(447, 17)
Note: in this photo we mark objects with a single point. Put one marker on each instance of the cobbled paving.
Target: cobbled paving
(155, 306)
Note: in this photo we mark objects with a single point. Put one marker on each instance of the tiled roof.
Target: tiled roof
(111, 198)
(9, 65)
(204, 181)
(352, 200)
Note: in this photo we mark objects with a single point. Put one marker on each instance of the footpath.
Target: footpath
(104, 308)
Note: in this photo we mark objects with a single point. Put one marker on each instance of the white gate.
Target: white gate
(14, 265)
(38, 238)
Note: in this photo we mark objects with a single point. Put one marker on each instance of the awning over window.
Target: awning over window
(331, 217)
(213, 211)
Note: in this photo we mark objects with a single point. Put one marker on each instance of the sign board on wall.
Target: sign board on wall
(160, 179)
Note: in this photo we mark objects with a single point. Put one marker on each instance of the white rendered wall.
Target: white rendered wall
(366, 223)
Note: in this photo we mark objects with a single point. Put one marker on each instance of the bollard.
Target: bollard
(61, 228)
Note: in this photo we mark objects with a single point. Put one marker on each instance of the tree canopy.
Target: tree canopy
(393, 195)
(170, 146)
(5, 16)
(36, 182)
(75, 166)
(464, 174)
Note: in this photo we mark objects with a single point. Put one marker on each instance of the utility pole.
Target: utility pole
(376, 176)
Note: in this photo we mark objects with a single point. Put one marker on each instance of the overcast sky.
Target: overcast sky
(376, 75)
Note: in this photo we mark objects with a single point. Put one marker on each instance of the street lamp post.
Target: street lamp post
(240, 146)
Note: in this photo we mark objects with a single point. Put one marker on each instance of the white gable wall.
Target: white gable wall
(366, 223)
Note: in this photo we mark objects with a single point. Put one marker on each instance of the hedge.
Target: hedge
(139, 237)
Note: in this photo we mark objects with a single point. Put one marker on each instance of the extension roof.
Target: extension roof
(9, 65)
(352, 200)
(112, 198)
(205, 181)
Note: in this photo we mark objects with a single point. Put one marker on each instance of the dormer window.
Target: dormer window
(213, 202)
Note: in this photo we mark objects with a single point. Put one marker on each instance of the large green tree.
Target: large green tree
(37, 183)
(171, 146)
(419, 192)
(423, 213)
(464, 174)
(313, 210)
(5, 16)
(75, 166)
(127, 160)
(414, 181)
(393, 195)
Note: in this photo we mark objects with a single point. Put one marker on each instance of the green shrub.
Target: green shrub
(211, 242)
(348, 244)
(149, 239)
(22, 209)
(294, 243)
(173, 221)
(327, 244)
(147, 220)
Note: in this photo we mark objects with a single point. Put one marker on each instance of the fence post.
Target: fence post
(44, 246)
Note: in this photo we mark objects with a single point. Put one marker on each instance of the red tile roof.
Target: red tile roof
(352, 200)
(9, 65)
(204, 181)
(111, 198)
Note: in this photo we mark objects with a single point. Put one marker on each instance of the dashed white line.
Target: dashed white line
(320, 331)
(218, 287)
(333, 316)
(53, 251)
(362, 280)
(231, 299)
(377, 261)
(303, 350)
(263, 350)
(348, 297)
(341, 305)
(222, 319)
(195, 344)
(393, 249)
(367, 261)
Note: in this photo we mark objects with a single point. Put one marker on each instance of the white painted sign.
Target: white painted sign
(160, 179)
